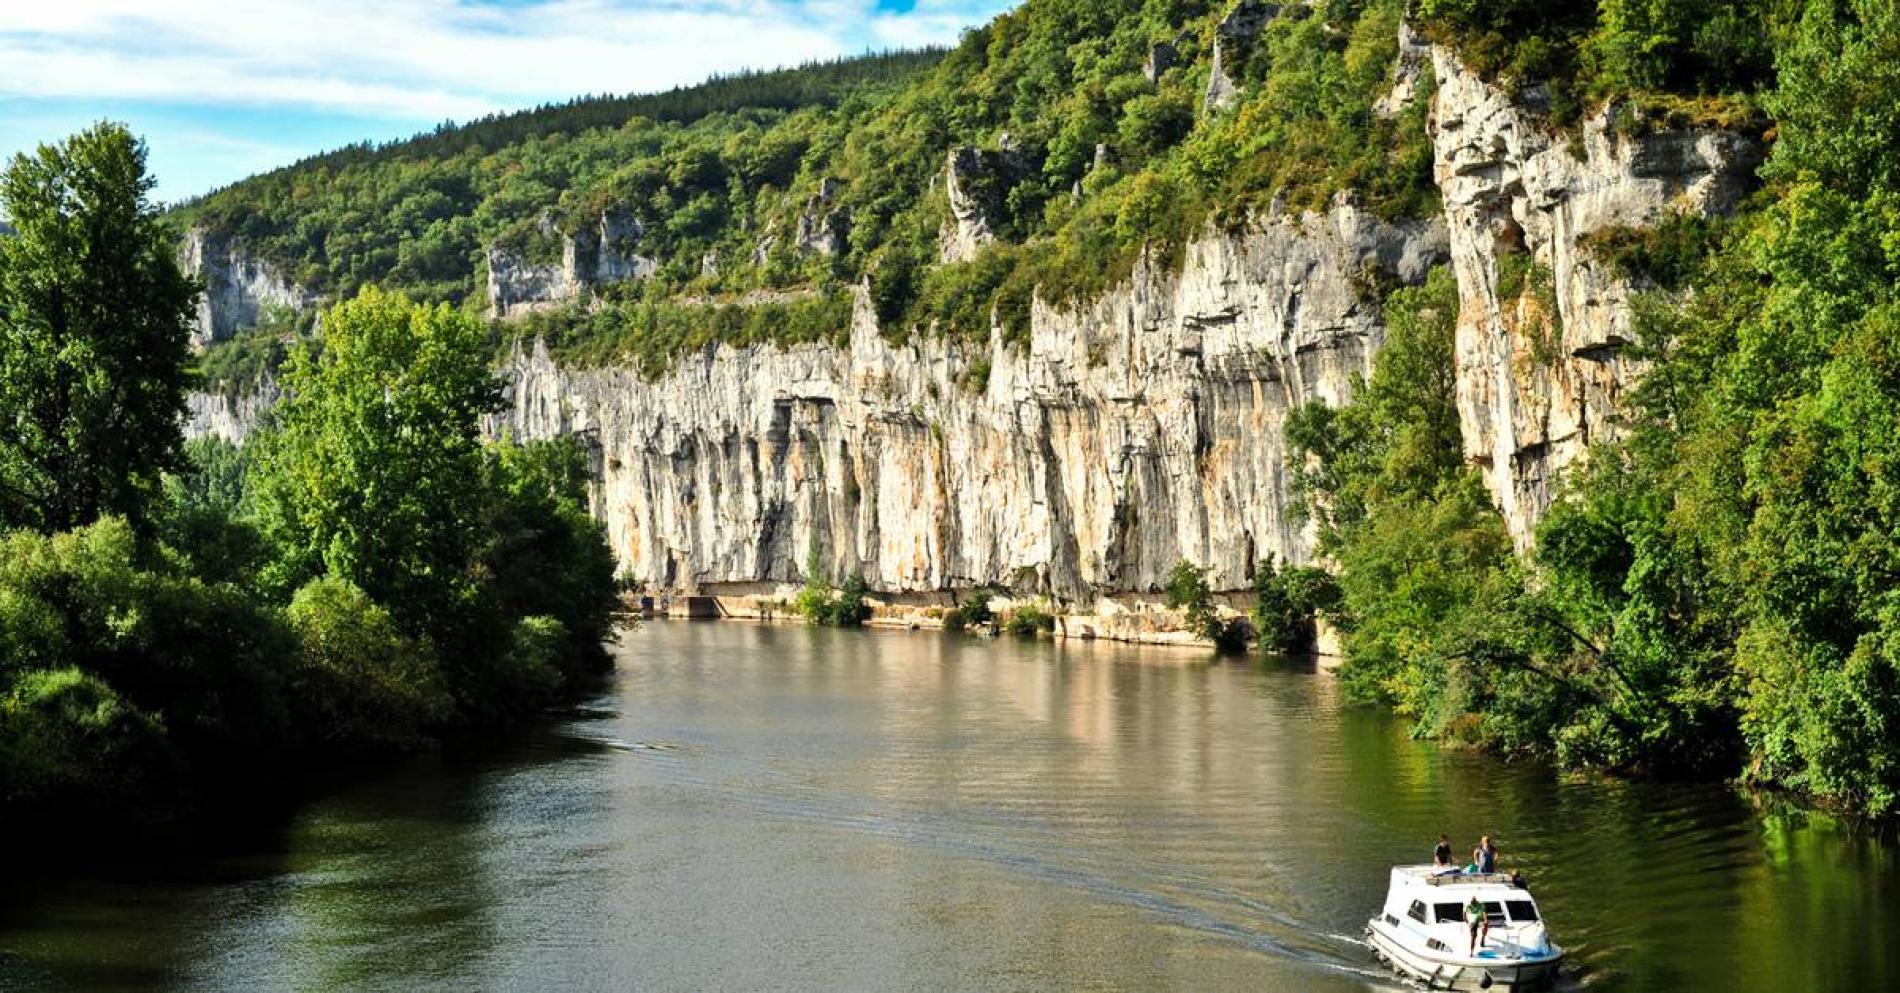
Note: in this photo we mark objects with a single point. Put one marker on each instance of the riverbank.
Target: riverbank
(1136, 619)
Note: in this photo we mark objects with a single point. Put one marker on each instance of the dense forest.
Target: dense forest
(1089, 121)
(183, 624)
(1713, 594)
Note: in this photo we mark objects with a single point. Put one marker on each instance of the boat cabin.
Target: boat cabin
(1429, 901)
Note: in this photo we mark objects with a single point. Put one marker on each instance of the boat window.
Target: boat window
(1522, 910)
(1417, 912)
(1493, 912)
(1448, 913)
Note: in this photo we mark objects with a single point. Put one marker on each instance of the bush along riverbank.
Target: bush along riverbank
(181, 624)
(1283, 613)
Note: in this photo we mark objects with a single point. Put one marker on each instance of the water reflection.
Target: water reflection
(794, 808)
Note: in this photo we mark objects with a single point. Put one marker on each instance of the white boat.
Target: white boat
(1422, 933)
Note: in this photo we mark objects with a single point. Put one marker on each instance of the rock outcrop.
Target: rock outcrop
(1409, 72)
(240, 289)
(1161, 57)
(1136, 431)
(1542, 369)
(977, 181)
(230, 414)
(823, 229)
(594, 256)
(1233, 37)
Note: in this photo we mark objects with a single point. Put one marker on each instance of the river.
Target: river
(754, 807)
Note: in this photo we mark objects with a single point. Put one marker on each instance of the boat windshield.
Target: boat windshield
(1522, 910)
(1454, 913)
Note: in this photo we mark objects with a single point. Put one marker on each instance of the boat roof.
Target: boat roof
(1439, 876)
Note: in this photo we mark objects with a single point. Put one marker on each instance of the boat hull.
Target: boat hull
(1447, 973)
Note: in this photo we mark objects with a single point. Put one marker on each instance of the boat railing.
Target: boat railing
(1468, 878)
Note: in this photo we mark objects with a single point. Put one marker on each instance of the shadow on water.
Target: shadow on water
(758, 807)
(372, 861)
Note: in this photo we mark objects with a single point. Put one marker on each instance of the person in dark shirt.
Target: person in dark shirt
(1441, 856)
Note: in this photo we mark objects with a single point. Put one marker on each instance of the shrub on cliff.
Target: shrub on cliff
(1029, 619)
(1187, 591)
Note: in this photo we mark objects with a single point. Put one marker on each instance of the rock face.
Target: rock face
(230, 415)
(239, 288)
(517, 287)
(1537, 388)
(594, 256)
(822, 230)
(977, 181)
(1136, 431)
(1231, 40)
(1140, 428)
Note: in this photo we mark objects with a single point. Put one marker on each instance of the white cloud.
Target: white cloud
(429, 59)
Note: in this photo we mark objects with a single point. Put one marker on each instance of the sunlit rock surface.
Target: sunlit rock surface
(1136, 431)
(1535, 390)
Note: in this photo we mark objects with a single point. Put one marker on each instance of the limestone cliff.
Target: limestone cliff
(230, 414)
(240, 289)
(1144, 426)
(1137, 430)
(592, 256)
(1536, 388)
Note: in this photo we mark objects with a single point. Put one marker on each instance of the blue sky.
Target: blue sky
(221, 89)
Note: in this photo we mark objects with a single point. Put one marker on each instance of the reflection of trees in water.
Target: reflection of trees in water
(1119, 817)
(397, 883)
(390, 886)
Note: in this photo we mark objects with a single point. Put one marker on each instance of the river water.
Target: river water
(786, 808)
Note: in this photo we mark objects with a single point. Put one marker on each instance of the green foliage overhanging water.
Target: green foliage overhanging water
(178, 621)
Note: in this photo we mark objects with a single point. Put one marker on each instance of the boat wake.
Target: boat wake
(1045, 850)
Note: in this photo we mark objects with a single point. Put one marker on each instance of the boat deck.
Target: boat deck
(1433, 875)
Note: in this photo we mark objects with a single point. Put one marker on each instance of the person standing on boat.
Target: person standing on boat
(1476, 920)
(1485, 856)
(1441, 856)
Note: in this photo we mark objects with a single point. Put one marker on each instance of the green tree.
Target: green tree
(94, 320)
(359, 683)
(545, 554)
(375, 472)
(1186, 590)
(1288, 603)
